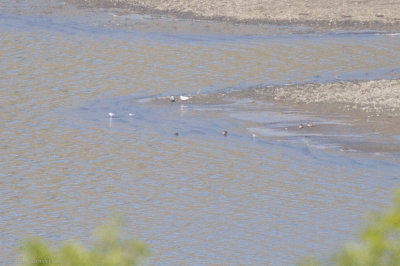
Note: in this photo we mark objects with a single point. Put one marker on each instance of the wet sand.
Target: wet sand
(370, 98)
(371, 108)
(377, 15)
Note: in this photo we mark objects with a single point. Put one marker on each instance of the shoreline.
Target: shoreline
(333, 15)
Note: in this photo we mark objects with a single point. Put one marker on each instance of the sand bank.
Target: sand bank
(373, 14)
(375, 97)
(372, 106)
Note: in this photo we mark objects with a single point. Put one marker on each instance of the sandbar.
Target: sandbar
(365, 14)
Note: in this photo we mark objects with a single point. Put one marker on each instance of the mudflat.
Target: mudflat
(362, 13)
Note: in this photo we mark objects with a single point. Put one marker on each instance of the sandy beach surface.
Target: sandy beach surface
(341, 13)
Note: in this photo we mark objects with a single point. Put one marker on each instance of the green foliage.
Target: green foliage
(309, 261)
(108, 249)
(379, 243)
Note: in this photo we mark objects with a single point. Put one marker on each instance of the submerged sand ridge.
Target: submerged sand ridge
(340, 12)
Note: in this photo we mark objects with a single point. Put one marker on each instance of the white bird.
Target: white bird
(111, 115)
(130, 114)
(172, 99)
(184, 98)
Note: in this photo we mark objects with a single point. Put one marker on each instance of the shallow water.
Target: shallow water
(196, 198)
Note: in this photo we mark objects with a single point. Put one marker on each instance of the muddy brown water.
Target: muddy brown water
(197, 198)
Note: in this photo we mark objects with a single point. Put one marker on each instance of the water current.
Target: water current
(199, 197)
